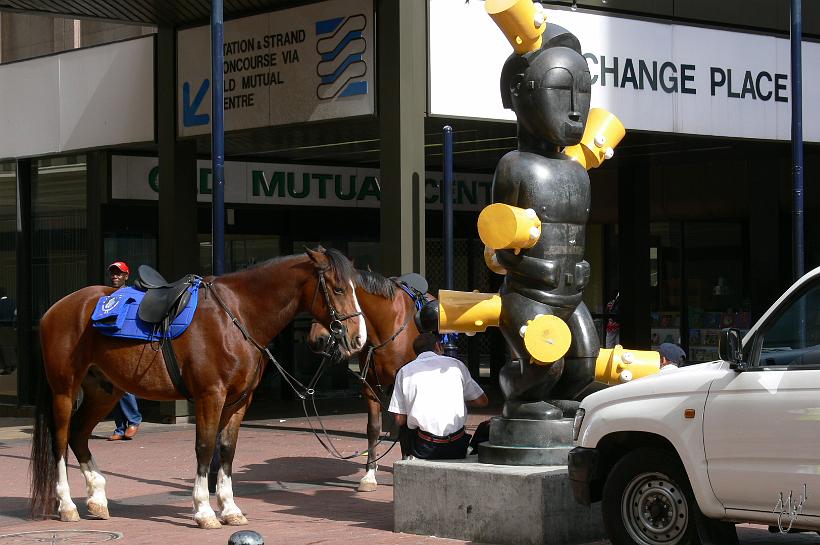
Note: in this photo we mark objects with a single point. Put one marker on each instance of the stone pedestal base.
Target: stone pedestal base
(463, 499)
(519, 442)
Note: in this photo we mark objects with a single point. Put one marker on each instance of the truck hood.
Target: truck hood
(685, 380)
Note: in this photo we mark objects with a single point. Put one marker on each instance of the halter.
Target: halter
(336, 327)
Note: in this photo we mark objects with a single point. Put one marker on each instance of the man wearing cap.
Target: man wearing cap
(126, 413)
(429, 401)
(672, 356)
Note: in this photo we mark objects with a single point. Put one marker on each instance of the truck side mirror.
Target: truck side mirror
(729, 347)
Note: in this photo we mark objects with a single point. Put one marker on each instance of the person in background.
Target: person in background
(429, 401)
(613, 326)
(672, 356)
(127, 416)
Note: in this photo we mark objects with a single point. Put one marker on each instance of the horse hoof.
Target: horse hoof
(69, 516)
(209, 523)
(368, 486)
(236, 519)
(98, 510)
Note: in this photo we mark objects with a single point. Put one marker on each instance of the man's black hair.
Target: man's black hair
(426, 342)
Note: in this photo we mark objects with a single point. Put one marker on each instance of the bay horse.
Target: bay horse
(221, 357)
(388, 312)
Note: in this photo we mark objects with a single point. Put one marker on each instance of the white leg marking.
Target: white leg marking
(368, 482)
(202, 503)
(362, 324)
(67, 509)
(94, 483)
(224, 495)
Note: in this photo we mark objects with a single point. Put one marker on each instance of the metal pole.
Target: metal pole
(447, 197)
(797, 137)
(218, 139)
(218, 176)
(449, 347)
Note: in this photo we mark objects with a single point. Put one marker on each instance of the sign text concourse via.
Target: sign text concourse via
(292, 66)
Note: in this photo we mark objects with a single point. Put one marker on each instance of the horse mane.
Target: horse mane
(341, 265)
(375, 284)
(338, 264)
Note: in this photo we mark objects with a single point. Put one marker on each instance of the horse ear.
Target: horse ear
(317, 256)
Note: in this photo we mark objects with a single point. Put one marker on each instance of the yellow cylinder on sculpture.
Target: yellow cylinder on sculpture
(518, 20)
(491, 261)
(603, 133)
(618, 365)
(546, 338)
(467, 312)
(505, 227)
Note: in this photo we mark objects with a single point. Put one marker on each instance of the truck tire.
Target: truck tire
(647, 500)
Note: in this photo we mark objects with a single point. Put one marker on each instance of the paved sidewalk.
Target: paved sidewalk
(288, 486)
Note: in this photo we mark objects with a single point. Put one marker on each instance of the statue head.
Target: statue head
(549, 89)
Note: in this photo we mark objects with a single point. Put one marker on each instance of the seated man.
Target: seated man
(429, 402)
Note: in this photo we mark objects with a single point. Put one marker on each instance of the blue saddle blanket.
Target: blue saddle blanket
(116, 316)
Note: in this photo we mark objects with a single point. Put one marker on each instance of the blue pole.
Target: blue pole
(218, 175)
(447, 196)
(218, 138)
(797, 137)
(449, 347)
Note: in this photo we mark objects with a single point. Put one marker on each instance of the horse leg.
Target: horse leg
(61, 410)
(97, 403)
(229, 511)
(208, 411)
(368, 482)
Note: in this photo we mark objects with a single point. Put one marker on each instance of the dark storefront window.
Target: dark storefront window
(716, 285)
(699, 282)
(8, 281)
(135, 250)
(60, 238)
(665, 268)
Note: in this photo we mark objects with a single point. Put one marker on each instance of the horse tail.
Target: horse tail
(43, 464)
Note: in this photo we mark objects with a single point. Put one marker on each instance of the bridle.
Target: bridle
(336, 327)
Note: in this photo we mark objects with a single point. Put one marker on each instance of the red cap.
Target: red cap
(119, 265)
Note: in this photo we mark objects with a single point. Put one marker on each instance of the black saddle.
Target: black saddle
(415, 281)
(163, 301)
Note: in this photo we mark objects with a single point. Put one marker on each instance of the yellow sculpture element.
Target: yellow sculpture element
(546, 338)
(603, 132)
(505, 227)
(491, 261)
(467, 312)
(618, 365)
(522, 22)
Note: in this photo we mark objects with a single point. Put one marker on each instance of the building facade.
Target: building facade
(690, 221)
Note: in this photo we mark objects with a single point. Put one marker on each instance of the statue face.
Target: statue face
(551, 98)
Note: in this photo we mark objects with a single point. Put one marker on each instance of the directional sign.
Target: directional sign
(190, 117)
(296, 65)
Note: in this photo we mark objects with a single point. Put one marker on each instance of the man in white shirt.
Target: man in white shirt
(429, 401)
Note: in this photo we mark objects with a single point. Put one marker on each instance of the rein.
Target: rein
(302, 392)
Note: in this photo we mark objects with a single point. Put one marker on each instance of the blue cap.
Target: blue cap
(672, 352)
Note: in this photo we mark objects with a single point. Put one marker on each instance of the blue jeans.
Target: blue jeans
(126, 413)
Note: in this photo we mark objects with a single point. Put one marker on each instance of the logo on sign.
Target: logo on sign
(341, 46)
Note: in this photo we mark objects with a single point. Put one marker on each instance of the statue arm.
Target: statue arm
(545, 270)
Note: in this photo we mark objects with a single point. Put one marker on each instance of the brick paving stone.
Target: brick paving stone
(291, 490)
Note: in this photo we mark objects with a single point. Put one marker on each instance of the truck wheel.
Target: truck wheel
(647, 500)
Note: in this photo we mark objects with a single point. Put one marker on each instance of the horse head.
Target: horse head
(334, 302)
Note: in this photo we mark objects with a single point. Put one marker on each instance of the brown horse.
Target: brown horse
(221, 360)
(388, 313)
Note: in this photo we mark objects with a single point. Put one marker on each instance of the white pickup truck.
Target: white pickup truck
(677, 458)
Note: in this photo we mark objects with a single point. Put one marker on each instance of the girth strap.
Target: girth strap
(172, 365)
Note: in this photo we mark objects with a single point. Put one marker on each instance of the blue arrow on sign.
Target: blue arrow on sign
(189, 108)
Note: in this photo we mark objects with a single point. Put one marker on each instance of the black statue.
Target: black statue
(549, 90)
